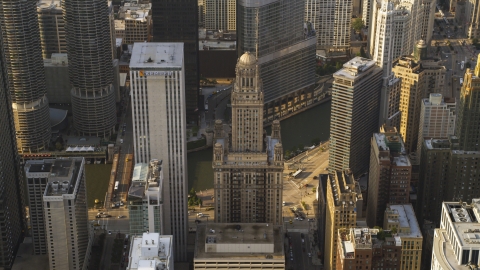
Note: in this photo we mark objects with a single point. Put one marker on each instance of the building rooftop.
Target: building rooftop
(62, 174)
(155, 55)
(151, 251)
(146, 177)
(463, 224)
(355, 67)
(247, 241)
(132, 11)
(407, 220)
(392, 142)
(49, 5)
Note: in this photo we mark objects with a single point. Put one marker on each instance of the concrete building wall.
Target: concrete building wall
(352, 126)
(159, 120)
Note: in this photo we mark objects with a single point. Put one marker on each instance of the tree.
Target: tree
(358, 24)
(314, 189)
(362, 52)
(338, 66)
(287, 153)
(474, 41)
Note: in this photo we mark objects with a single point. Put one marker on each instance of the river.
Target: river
(297, 130)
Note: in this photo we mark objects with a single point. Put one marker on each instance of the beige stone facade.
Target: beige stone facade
(342, 202)
(419, 79)
(247, 166)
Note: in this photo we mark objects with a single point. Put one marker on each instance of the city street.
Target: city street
(463, 50)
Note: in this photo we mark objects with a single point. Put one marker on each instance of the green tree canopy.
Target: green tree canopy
(358, 24)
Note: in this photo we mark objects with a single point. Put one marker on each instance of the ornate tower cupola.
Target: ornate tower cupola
(247, 106)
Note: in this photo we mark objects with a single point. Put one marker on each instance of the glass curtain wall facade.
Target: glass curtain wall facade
(274, 31)
(11, 180)
(177, 21)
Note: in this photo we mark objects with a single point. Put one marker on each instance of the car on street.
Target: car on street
(309, 255)
(121, 203)
(311, 220)
(120, 216)
(109, 232)
(303, 240)
(299, 218)
(200, 215)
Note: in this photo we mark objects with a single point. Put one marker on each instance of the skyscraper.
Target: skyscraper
(89, 46)
(220, 15)
(391, 32)
(276, 34)
(24, 74)
(468, 122)
(460, 220)
(52, 27)
(145, 198)
(420, 77)
(437, 119)
(335, 25)
(389, 174)
(245, 161)
(66, 215)
(355, 111)
(446, 172)
(11, 179)
(157, 75)
(343, 198)
(176, 21)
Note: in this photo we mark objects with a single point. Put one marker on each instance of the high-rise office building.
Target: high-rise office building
(38, 174)
(468, 122)
(89, 45)
(145, 198)
(471, 11)
(12, 219)
(402, 219)
(394, 26)
(455, 243)
(176, 21)
(157, 75)
(446, 172)
(391, 32)
(247, 167)
(389, 174)
(419, 77)
(437, 119)
(221, 15)
(64, 203)
(344, 198)
(25, 75)
(52, 27)
(335, 26)
(355, 111)
(137, 22)
(312, 14)
(275, 33)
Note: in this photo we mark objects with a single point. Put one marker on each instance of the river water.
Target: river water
(297, 130)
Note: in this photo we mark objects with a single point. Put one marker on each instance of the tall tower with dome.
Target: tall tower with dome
(247, 164)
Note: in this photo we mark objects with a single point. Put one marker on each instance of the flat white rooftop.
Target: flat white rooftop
(407, 218)
(156, 252)
(355, 67)
(156, 55)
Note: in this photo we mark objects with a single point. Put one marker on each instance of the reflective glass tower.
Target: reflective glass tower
(11, 182)
(177, 21)
(89, 47)
(24, 74)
